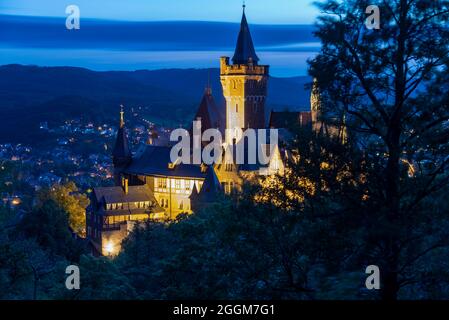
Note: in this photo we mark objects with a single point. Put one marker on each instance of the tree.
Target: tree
(74, 203)
(391, 86)
(48, 224)
(24, 265)
(100, 279)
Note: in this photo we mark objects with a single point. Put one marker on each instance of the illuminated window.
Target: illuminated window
(228, 186)
(164, 203)
(177, 184)
(162, 183)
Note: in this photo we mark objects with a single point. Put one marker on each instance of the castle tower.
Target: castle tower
(244, 85)
(121, 156)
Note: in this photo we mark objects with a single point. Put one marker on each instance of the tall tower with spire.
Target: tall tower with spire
(244, 85)
(121, 155)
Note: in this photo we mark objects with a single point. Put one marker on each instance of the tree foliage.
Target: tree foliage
(389, 83)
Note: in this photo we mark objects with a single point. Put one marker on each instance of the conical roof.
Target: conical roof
(211, 189)
(244, 51)
(121, 150)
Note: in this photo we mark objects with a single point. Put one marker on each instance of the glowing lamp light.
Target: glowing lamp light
(109, 248)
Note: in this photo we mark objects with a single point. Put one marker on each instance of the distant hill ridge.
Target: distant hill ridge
(31, 94)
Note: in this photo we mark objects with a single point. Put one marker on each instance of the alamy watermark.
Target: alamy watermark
(373, 20)
(73, 279)
(373, 280)
(73, 19)
(250, 147)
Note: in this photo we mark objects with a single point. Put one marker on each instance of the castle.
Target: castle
(150, 186)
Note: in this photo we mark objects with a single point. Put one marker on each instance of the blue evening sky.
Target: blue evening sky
(261, 11)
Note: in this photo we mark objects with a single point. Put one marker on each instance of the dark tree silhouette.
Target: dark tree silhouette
(391, 86)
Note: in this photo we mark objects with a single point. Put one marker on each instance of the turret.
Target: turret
(121, 155)
(244, 85)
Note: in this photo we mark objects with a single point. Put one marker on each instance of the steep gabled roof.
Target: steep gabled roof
(110, 195)
(117, 194)
(244, 51)
(154, 161)
(211, 189)
(211, 116)
(194, 195)
(121, 148)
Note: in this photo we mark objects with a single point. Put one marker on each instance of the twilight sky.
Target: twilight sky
(261, 11)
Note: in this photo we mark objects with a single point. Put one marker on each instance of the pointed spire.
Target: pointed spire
(211, 189)
(121, 153)
(194, 194)
(244, 51)
(208, 90)
(122, 118)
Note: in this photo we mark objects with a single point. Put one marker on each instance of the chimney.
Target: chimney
(125, 185)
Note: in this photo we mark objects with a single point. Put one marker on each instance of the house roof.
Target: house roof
(244, 51)
(154, 160)
(117, 194)
(211, 116)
